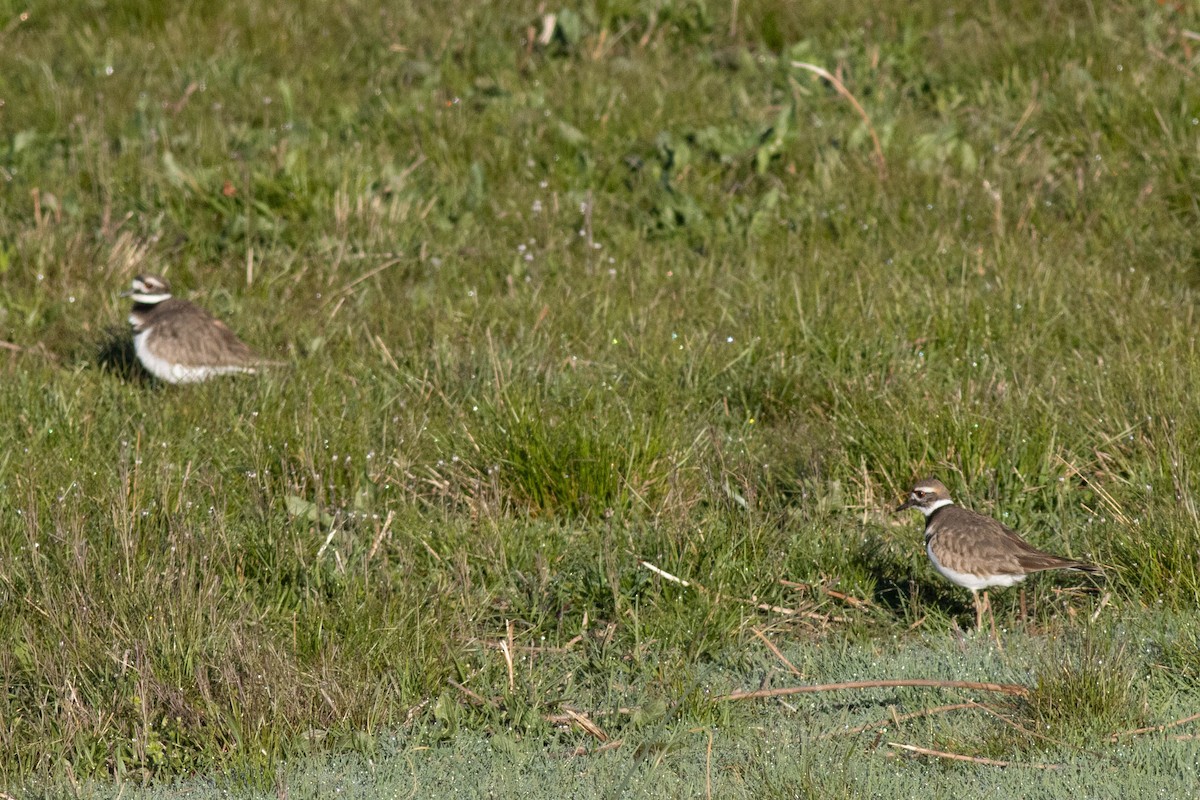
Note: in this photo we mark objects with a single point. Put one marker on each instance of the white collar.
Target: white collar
(928, 512)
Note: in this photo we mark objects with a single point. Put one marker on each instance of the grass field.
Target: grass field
(614, 333)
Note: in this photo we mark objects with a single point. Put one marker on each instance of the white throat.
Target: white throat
(928, 510)
(146, 299)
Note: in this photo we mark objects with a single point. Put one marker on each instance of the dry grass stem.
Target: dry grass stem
(473, 696)
(778, 653)
(662, 573)
(1154, 728)
(823, 589)
(1013, 689)
(604, 748)
(588, 725)
(895, 720)
(991, 762)
(880, 161)
(383, 532)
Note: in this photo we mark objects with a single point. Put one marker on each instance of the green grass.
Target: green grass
(642, 294)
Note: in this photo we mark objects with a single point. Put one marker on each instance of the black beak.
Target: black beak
(906, 504)
(127, 293)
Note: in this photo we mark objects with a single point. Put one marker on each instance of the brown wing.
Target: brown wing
(199, 339)
(986, 540)
(1020, 556)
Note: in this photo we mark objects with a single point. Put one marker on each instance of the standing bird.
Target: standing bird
(179, 342)
(975, 551)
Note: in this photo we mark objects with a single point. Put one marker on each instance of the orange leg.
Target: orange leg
(987, 602)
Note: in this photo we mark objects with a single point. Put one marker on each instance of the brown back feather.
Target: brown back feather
(175, 322)
(1001, 546)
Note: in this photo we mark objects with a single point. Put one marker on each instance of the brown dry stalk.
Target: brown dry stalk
(662, 573)
(845, 598)
(1001, 688)
(776, 651)
(370, 274)
(925, 751)
(1154, 728)
(40, 350)
(379, 537)
(880, 161)
(667, 576)
(792, 612)
(583, 751)
(582, 721)
(474, 697)
(1017, 726)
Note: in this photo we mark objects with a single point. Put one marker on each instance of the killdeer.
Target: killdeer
(975, 551)
(179, 342)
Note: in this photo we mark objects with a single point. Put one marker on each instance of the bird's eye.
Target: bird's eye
(920, 493)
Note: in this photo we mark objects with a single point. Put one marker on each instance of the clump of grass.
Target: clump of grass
(1180, 652)
(1083, 690)
(584, 459)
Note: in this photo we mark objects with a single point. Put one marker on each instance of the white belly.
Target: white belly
(172, 372)
(967, 580)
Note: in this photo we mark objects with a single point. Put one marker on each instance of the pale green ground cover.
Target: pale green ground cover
(643, 293)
